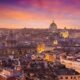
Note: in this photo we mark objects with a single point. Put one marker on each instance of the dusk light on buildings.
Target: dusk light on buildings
(39, 40)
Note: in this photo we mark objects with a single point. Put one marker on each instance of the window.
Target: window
(61, 77)
(66, 77)
(74, 77)
(71, 77)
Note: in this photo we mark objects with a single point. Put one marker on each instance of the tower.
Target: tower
(53, 33)
(10, 40)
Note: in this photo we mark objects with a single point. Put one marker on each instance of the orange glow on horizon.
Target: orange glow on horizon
(18, 18)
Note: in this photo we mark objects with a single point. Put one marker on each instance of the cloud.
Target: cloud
(40, 12)
(19, 14)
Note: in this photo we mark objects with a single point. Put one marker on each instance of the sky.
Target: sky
(39, 13)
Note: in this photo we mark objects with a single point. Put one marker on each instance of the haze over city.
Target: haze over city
(39, 39)
(39, 13)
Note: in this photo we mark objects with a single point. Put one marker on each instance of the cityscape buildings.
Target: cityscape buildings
(40, 54)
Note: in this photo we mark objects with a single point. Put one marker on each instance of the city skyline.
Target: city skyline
(39, 13)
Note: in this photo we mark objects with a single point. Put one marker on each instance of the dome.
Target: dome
(53, 27)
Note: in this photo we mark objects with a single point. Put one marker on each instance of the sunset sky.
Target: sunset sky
(39, 13)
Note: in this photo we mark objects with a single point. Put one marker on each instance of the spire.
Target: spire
(53, 21)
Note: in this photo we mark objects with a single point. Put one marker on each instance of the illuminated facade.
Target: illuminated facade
(69, 77)
(71, 64)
